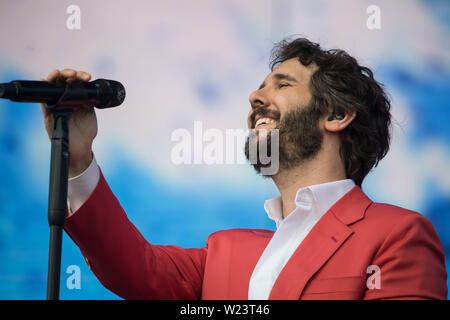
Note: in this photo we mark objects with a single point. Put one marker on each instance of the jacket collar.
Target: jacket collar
(322, 242)
(351, 207)
(323, 196)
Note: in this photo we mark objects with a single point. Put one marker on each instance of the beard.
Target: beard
(300, 138)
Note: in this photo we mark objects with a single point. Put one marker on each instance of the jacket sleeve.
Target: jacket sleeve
(124, 261)
(411, 262)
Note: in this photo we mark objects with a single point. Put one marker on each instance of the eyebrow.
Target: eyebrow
(279, 76)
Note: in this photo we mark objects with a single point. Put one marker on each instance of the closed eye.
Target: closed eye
(281, 85)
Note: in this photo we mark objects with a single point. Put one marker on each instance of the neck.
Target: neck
(318, 170)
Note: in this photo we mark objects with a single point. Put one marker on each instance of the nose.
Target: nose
(258, 99)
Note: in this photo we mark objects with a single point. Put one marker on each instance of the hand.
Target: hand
(82, 124)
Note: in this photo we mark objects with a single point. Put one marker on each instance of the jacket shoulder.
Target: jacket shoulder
(240, 234)
(388, 221)
(388, 213)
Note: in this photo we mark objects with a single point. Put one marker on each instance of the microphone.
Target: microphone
(100, 93)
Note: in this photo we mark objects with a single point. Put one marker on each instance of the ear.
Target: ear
(336, 124)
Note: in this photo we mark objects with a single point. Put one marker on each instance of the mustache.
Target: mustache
(263, 112)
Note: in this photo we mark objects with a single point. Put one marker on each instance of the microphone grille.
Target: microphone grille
(116, 93)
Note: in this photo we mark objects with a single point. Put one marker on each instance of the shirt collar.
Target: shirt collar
(323, 195)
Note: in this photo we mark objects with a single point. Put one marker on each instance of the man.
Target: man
(331, 242)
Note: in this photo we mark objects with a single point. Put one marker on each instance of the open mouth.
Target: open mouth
(265, 123)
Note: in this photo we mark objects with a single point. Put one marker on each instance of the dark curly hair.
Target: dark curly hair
(342, 85)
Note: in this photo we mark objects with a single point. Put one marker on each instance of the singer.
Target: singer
(331, 241)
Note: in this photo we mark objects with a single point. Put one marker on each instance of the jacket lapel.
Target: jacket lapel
(324, 239)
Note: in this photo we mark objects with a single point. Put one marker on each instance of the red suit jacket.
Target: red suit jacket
(331, 263)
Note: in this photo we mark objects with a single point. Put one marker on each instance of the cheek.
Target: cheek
(282, 102)
(285, 103)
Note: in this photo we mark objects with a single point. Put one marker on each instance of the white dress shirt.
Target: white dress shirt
(80, 187)
(311, 204)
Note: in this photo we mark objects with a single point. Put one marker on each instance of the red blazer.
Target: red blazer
(331, 263)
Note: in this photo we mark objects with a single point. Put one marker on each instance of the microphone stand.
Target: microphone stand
(57, 198)
(101, 93)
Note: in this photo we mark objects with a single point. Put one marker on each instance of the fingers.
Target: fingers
(71, 75)
(67, 75)
(83, 76)
(53, 75)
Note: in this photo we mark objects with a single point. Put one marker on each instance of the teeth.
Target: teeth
(264, 120)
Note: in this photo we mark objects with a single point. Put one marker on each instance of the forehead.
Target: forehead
(293, 68)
